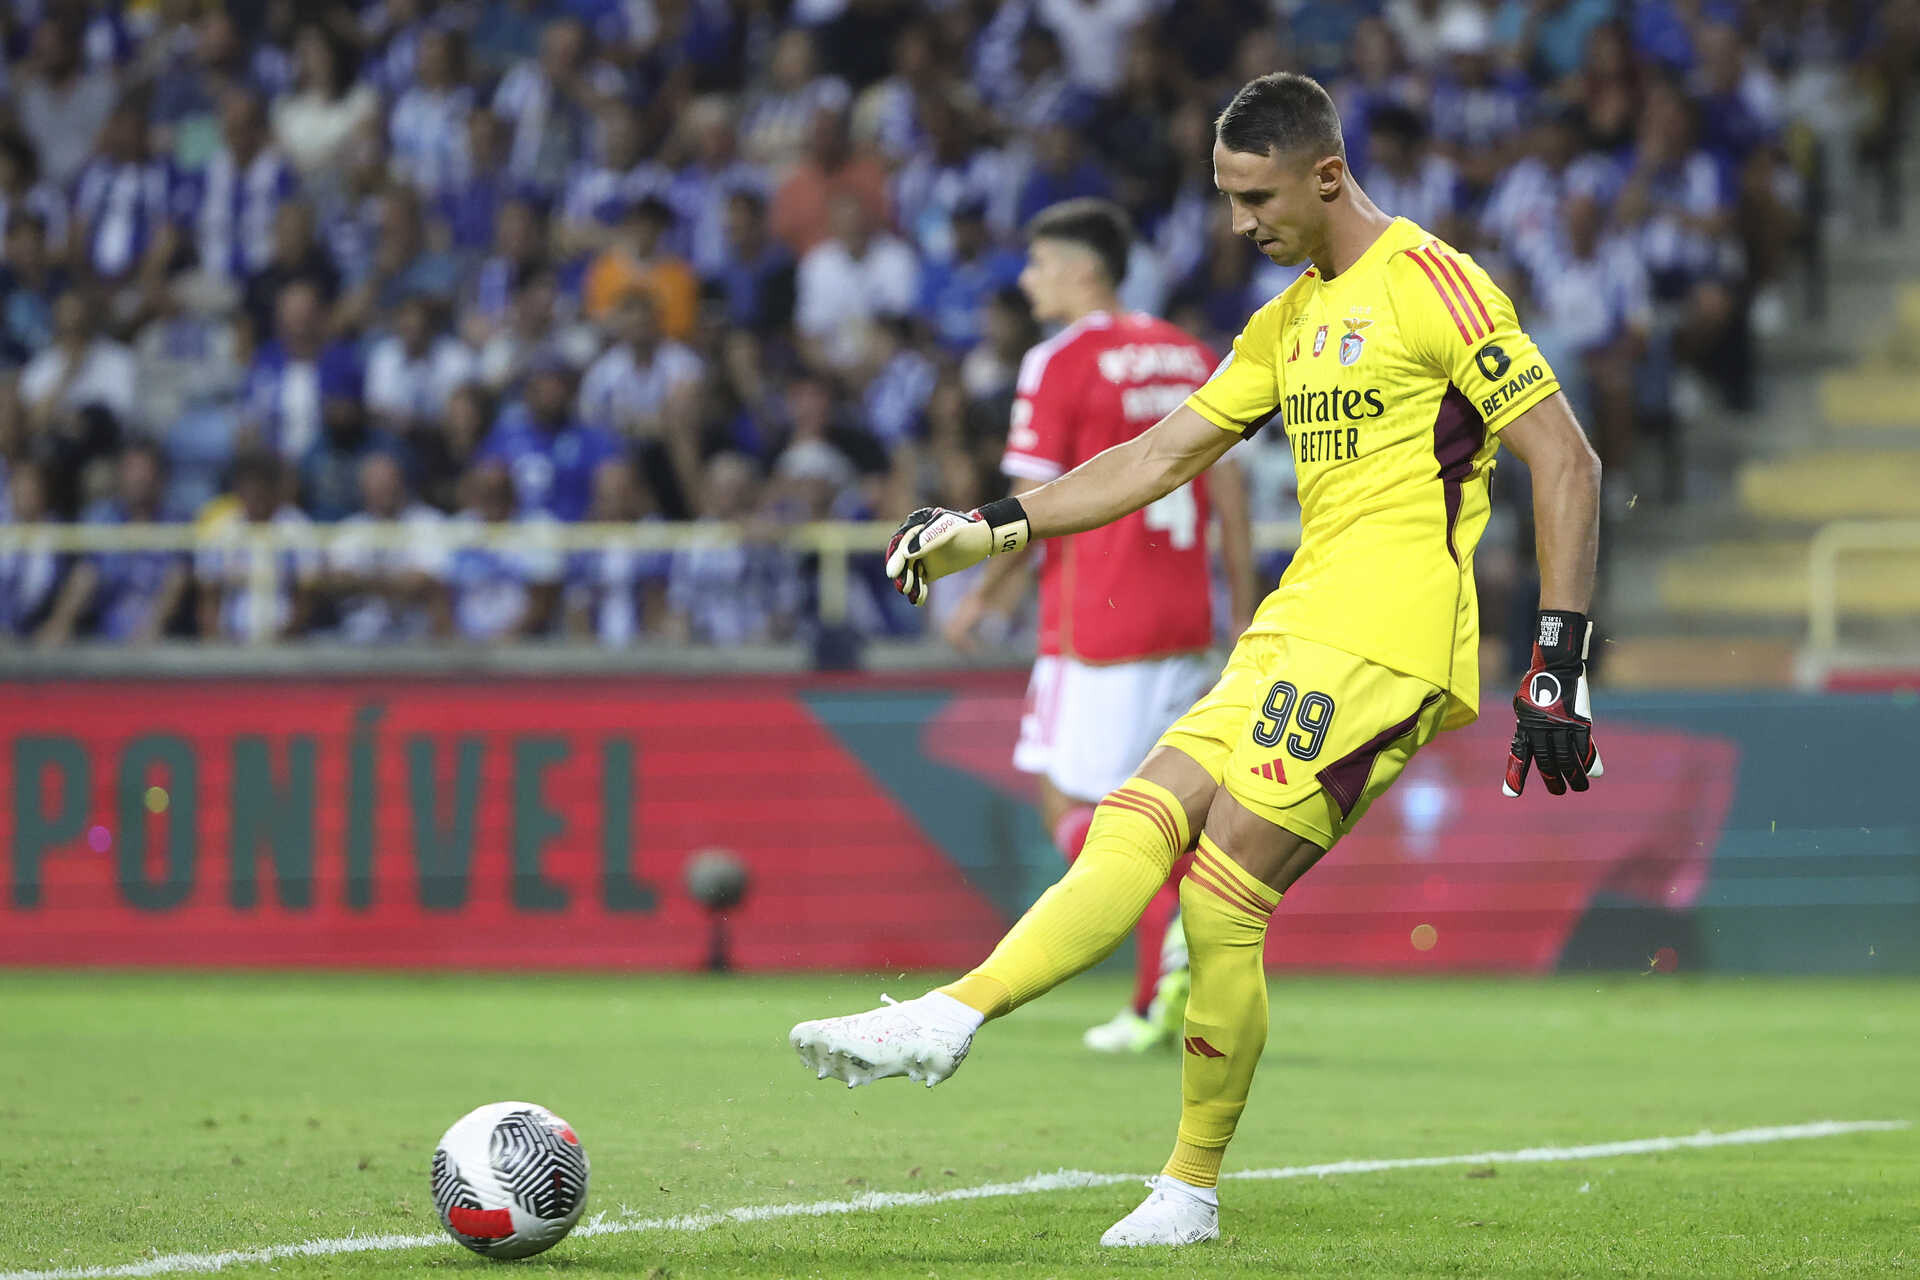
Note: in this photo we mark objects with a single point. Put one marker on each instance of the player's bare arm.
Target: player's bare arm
(932, 543)
(1554, 718)
(1566, 500)
(1235, 509)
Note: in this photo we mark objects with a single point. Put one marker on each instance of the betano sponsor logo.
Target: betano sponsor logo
(1511, 389)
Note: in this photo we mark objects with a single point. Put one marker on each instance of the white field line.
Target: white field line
(1040, 1183)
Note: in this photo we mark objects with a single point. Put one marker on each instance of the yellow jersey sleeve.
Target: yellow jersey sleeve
(1244, 393)
(1453, 314)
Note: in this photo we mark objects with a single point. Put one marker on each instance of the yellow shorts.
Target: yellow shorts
(1306, 736)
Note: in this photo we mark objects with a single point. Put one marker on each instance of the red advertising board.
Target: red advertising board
(545, 824)
(536, 824)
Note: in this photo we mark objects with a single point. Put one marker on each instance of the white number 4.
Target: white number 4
(1178, 516)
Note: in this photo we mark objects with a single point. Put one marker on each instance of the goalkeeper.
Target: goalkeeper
(1397, 368)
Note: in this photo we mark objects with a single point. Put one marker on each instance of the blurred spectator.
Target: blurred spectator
(428, 126)
(328, 112)
(384, 591)
(1523, 208)
(296, 254)
(1592, 318)
(1061, 171)
(777, 121)
(1675, 202)
(952, 172)
(708, 180)
(517, 251)
(122, 198)
(990, 369)
(734, 592)
(412, 371)
(549, 452)
(128, 597)
(901, 382)
(404, 264)
(246, 182)
(500, 591)
(845, 281)
(637, 258)
(29, 282)
(61, 103)
(801, 213)
(550, 101)
(30, 576)
(478, 183)
(600, 195)
(1093, 33)
(1407, 179)
(189, 356)
(443, 453)
(646, 386)
(757, 283)
(80, 367)
(536, 325)
(1477, 115)
(230, 608)
(954, 290)
(23, 191)
(298, 377)
(614, 595)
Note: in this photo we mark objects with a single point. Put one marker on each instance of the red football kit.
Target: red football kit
(1140, 587)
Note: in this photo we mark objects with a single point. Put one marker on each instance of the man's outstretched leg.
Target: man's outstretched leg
(1138, 831)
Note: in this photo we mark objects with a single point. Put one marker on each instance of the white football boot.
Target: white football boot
(915, 1039)
(1172, 1213)
(1125, 1032)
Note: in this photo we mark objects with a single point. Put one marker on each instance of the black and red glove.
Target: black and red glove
(1554, 729)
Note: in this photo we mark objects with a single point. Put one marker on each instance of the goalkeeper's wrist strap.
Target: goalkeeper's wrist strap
(1560, 637)
(1006, 519)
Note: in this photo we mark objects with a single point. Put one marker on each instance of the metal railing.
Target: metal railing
(834, 542)
(1830, 543)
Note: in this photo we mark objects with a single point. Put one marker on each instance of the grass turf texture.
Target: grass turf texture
(187, 1113)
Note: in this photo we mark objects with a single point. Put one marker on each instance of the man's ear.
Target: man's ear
(1329, 176)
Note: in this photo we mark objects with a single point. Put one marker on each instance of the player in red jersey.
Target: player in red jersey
(1126, 611)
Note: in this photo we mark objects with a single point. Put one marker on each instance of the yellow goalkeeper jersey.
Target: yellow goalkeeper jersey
(1393, 381)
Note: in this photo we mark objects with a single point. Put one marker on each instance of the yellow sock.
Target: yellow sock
(1137, 833)
(1225, 909)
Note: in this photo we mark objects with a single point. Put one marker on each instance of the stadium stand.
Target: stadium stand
(752, 263)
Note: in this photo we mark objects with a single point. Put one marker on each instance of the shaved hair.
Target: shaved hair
(1283, 113)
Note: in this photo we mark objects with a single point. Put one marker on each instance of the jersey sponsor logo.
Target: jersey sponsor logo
(1339, 404)
(1320, 340)
(1146, 361)
(1327, 444)
(1493, 362)
(1354, 342)
(1152, 403)
(1511, 389)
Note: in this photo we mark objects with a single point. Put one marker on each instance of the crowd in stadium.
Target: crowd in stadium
(539, 261)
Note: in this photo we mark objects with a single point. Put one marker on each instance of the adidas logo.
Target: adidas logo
(1199, 1048)
(1271, 771)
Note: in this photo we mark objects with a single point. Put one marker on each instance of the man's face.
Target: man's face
(380, 486)
(547, 397)
(139, 479)
(1276, 200)
(1047, 279)
(259, 497)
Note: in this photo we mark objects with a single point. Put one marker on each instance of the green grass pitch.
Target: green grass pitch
(155, 1115)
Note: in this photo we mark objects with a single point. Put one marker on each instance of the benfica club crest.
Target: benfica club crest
(1320, 340)
(1353, 343)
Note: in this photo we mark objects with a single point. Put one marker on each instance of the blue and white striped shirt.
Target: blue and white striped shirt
(237, 207)
(122, 208)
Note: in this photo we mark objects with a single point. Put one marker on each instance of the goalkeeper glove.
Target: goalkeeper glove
(1554, 732)
(934, 542)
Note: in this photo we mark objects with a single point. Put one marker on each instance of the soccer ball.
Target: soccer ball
(509, 1179)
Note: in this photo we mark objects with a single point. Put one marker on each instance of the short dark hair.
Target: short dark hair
(1092, 223)
(1282, 112)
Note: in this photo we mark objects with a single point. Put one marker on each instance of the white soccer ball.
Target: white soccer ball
(509, 1179)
